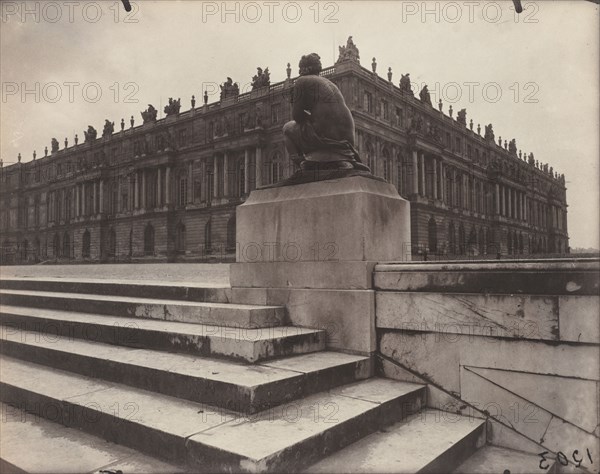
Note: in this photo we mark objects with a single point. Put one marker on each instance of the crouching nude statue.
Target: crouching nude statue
(320, 138)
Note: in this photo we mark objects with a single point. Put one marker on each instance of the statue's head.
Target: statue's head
(310, 64)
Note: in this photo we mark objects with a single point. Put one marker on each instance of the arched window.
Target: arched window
(472, 242)
(481, 242)
(452, 238)
(66, 246)
(113, 198)
(521, 250)
(401, 165)
(432, 231)
(180, 238)
(387, 165)
(112, 243)
(182, 185)
(68, 203)
(241, 177)
(370, 157)
(208, 235)
(56, 246)
(276, 168)
(24, 250)
(85, 244)
(131, 243)
(149, 240)
(37, 248)
(231, 233)
(461, 239)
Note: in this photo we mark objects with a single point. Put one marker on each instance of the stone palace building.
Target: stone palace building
(167, 189)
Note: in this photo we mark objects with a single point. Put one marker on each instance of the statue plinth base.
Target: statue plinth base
(312, 248)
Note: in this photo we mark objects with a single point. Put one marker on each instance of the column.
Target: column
(246, 171)
(190, 189)
(453, 188)
(423, 184)
(502, 202)
(168, 185)
(215, 176)
(101, 198)
(143, 192)
(119, 197)
(76, 200)
(258, 164)
(84, 203)
(136, 190)
(94, 198)
(159, 199)
(509, 193)
(525, 213)
(435, 178)
(442, 172)
(415, 173)
(204, 189)
(226, 174)
(497, 198)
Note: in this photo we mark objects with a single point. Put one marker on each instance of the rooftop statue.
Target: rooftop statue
(424, 95)
(229, 89)
(149, 115)
(54, 145)
(405, 83)
(321, 135)
(261, 78)
(109, 128)
(172, 108)
(512, 146)
(348, 52)
(461, 117)
(90, 134)
(489, 132)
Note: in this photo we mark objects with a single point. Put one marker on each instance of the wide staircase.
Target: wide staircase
(117, 376)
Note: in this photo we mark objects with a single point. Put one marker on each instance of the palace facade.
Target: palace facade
(167, 189)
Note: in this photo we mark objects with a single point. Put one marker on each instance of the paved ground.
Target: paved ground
(197, 273)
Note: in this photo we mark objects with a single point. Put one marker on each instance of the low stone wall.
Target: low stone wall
(518, 342)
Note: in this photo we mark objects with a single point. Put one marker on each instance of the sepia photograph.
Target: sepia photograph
(312, 236)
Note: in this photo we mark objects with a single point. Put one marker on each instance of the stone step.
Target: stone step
(495, 459)
(244, 344)
(33, 444)
(284, 438)
(216, 293)
(219, 314)
(560, 277)
(430, 441)
(245, 388)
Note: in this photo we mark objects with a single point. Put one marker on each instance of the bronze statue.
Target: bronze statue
(322, 132)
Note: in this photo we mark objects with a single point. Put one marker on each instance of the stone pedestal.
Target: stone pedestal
(312, 248)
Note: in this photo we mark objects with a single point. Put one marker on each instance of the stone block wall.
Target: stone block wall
(517, 342)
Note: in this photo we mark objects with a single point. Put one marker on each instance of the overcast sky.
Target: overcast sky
(534, 76)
